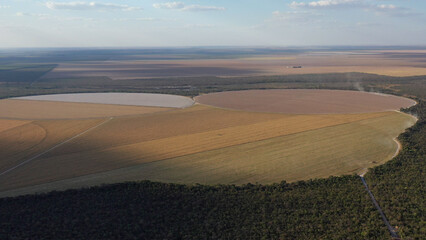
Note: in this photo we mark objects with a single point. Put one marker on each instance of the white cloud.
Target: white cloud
(147, 19)
(169, 5)
(41, 16)
(202, 8)
(200, 26)
(384, 6)
(295, 17)
(89, 6)
(4, 6)
(181, 6)
(383, 9)
(38, 15)
(327, 3)
(392, 10)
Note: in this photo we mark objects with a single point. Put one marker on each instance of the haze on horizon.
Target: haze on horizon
(160, 23)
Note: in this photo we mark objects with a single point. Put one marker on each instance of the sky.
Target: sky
(163, 23)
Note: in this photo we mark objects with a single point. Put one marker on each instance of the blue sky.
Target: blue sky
(153, 23)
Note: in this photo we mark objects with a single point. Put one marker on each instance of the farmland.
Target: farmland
(390, 63)
(302, 101)
(36, 110)
(213, 120)
(203, 144)
(126, 99)
(341, 147)
(191, 72)
(341, 209)
(19, 143)
(8, 124)
(85, 106)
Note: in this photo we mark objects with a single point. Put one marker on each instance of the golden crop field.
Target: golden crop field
(336, 150)
(211, 145)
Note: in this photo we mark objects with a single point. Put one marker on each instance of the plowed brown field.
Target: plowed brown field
(305, 101)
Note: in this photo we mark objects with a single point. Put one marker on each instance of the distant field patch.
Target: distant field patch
(21, 73)
(391, 63)
(118, 70)
(302, 101)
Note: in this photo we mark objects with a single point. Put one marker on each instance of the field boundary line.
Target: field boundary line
(54, 147)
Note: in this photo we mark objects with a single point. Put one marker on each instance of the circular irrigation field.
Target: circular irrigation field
(130, 99)
(89, 105)
(305, 101)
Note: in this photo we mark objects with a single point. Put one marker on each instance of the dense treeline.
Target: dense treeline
(400, 184)
(334, 208)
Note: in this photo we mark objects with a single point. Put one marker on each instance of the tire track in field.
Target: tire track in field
(54, 147)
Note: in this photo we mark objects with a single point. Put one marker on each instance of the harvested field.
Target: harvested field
(302, 101)
(20, 143)
(341, 149)
(239, 147)
(130, 99)
(196, 119)
(37, 110)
